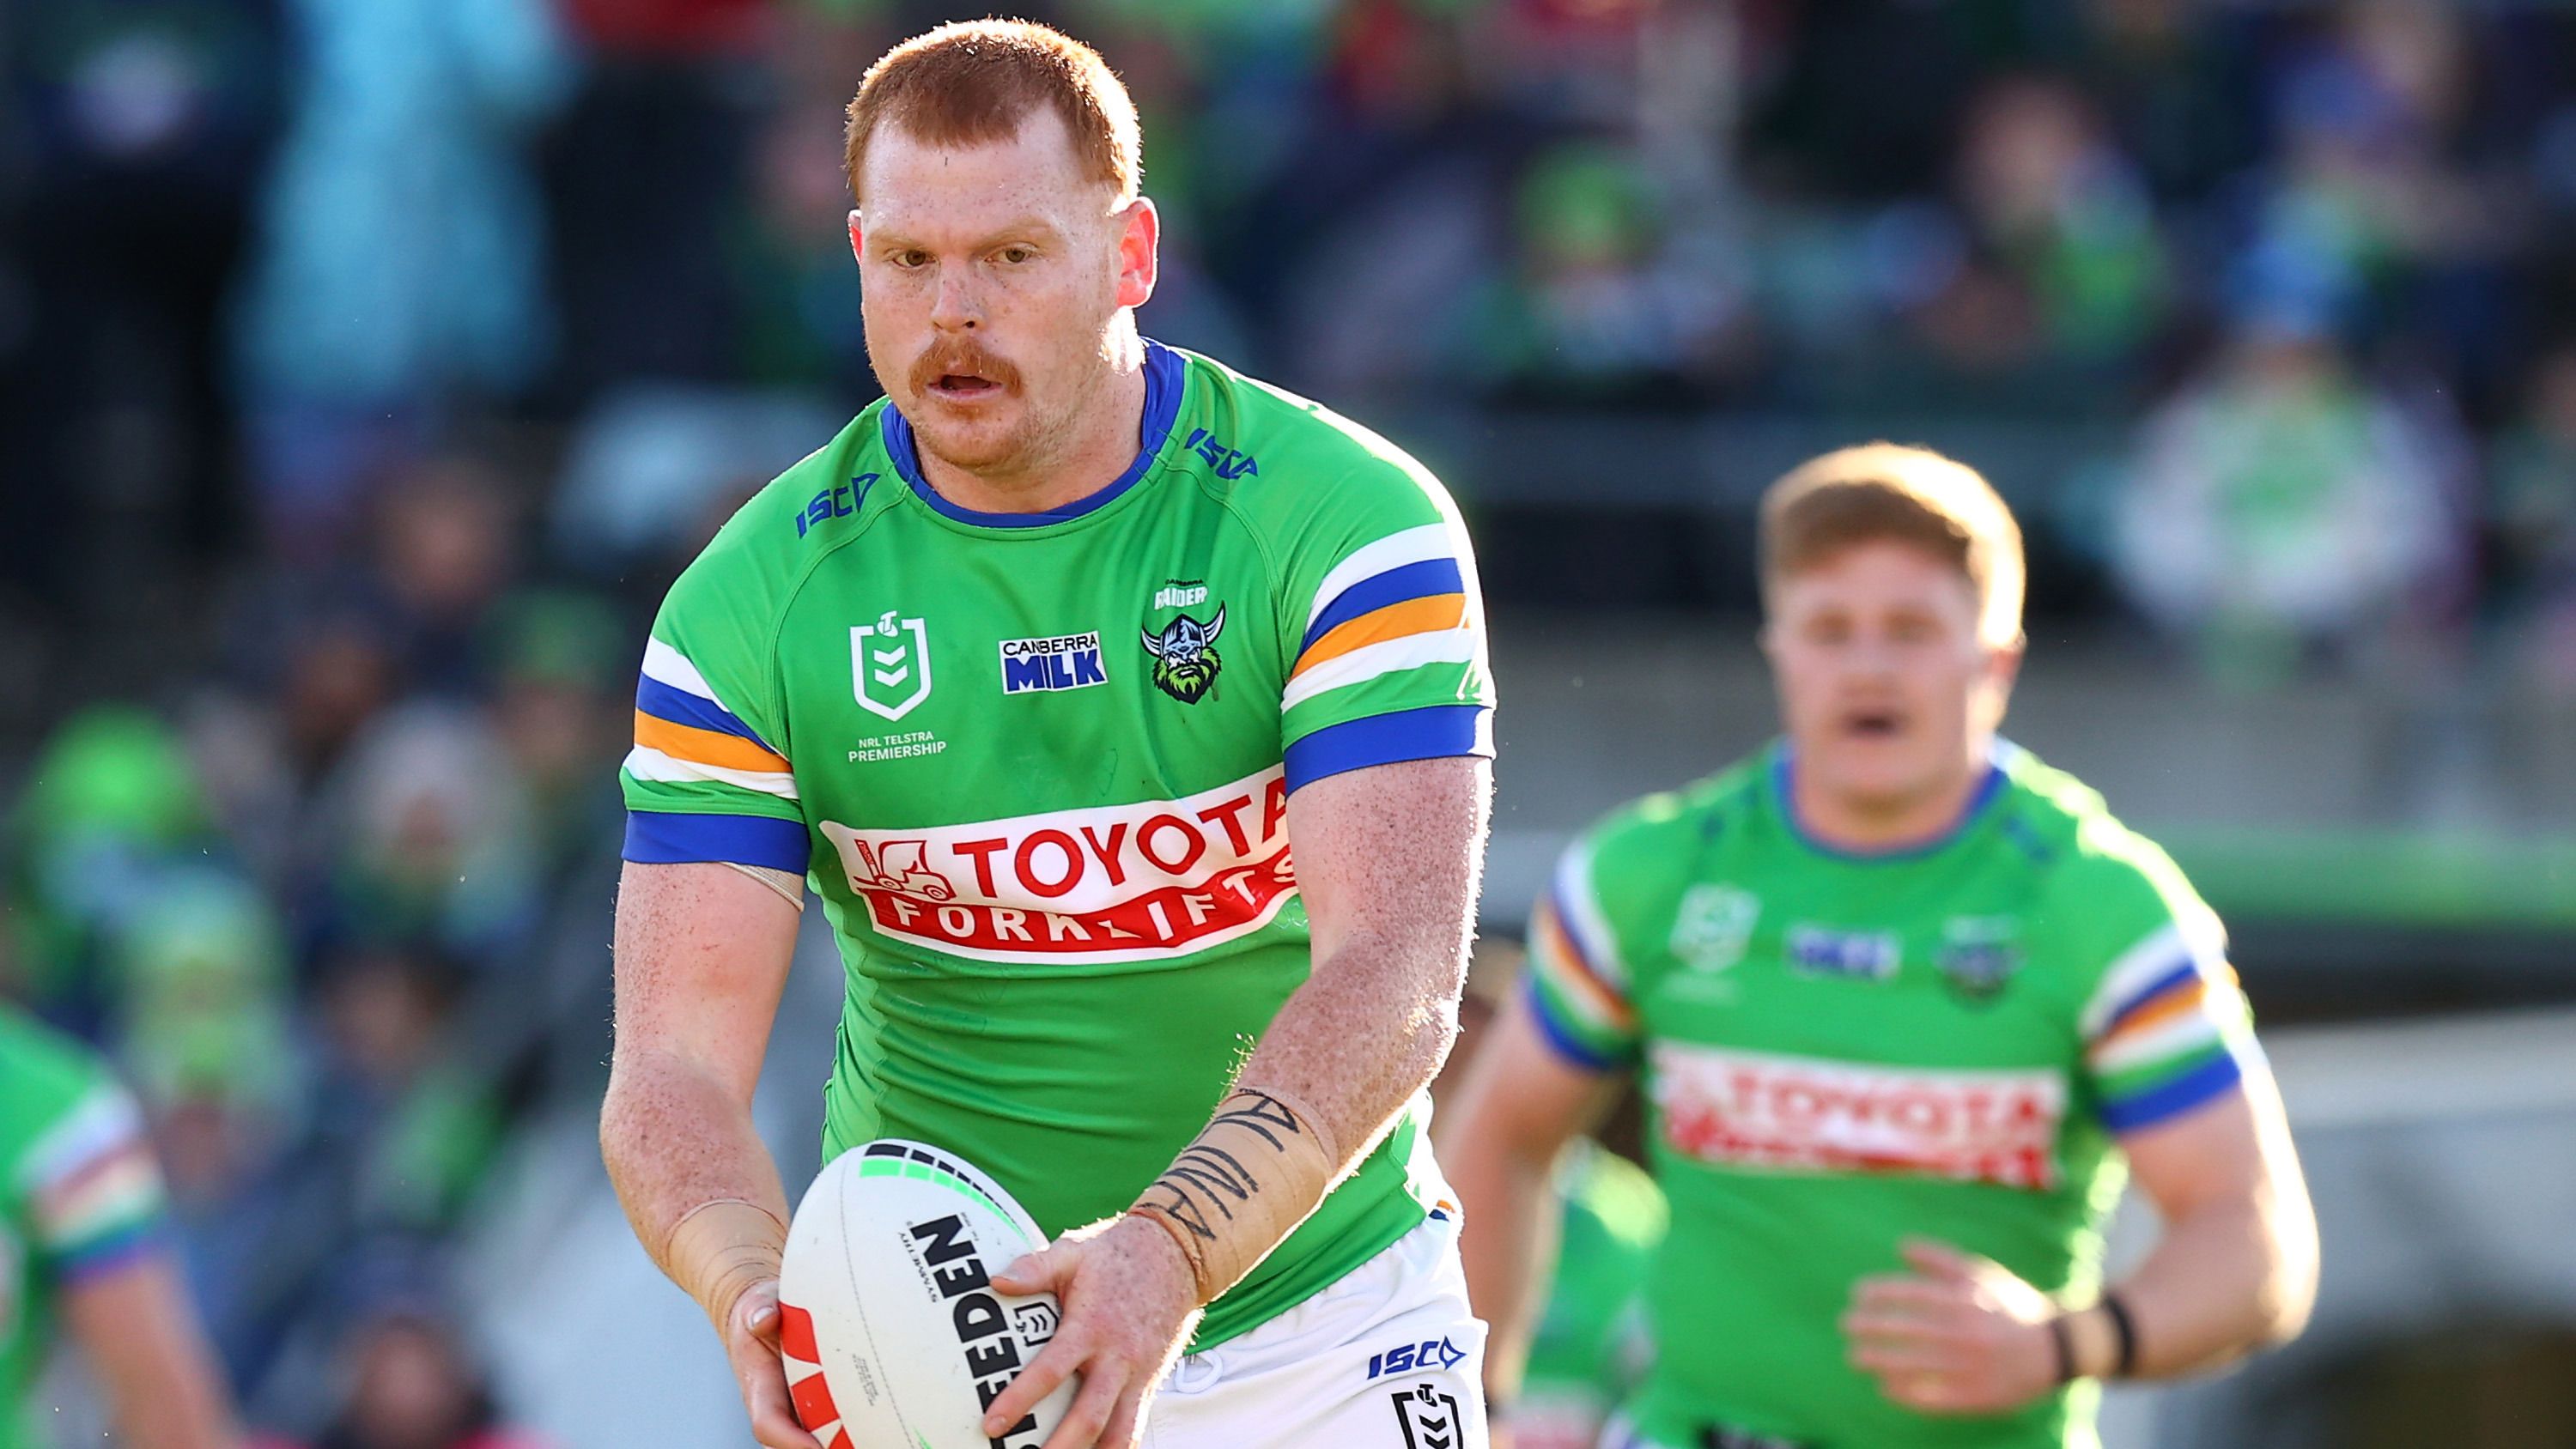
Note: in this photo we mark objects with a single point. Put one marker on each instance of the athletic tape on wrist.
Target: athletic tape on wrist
(1241, 1186)
(720, 1248)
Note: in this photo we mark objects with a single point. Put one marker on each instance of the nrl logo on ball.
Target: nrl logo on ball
(1185, 657)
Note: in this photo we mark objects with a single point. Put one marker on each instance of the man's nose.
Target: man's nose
(1871, 655)
(955, 307)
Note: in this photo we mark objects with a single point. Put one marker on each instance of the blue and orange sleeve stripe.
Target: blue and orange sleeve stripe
(1576, 989)
(702, 785)
(2168, 1030)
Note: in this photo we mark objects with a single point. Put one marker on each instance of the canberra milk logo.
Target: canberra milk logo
(890, 665)
(1068, 661)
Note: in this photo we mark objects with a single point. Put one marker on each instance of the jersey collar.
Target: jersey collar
(1164, 376)
(1988, 790)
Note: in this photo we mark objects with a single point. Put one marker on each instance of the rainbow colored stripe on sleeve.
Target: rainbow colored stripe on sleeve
(1398, 612)
(742, 793)
(93, 1189)
(1578, 988)
(2167, 1031)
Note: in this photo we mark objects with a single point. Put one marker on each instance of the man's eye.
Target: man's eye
(909, 259)
(1017, 255)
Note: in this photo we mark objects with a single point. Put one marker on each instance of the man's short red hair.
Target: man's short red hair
(973, 82)
(1881, 491)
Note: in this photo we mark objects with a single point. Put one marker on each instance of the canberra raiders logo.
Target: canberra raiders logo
(1979, 955)
(1185, 657)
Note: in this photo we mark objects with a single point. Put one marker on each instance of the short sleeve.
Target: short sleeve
(1383, 632)
(1577, 984)
(708, 778)
(2167, 1028)
(93, 1190)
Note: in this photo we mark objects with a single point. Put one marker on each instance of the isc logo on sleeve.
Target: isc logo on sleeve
(1068, 661)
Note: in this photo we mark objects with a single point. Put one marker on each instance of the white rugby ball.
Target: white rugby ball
(893, 1335)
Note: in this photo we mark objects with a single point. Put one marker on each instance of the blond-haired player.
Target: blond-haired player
(1903, 1001)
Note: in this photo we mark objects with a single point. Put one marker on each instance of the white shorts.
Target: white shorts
(1388, 1357)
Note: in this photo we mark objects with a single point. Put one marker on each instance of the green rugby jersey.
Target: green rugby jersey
(1840, 1051)
(1037, 766)
(79, 1196)
(1591, 1346)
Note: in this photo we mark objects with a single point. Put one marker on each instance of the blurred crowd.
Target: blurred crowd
(367, 370)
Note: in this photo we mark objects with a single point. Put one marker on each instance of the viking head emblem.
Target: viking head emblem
(1185, 657)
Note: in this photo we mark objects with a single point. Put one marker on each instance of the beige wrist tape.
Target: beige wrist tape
(717, 1249)
(1241, 1186)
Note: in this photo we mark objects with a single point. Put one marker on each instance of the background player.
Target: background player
(1903, 999)
(80, 1247)
(1589, 1346)
(1039, 670)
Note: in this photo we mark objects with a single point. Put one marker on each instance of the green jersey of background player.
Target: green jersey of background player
(81, 1250)
(1036, 673)
(1902, 999)
(1591, 1346)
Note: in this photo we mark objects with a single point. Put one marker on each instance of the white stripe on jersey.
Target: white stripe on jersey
(2194, 1029)
(1579, 911)
(666, 665)
(1445, 646)
(646, 763)
(102, 1121)
(1410, 546)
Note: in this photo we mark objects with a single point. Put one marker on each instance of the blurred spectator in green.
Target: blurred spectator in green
(401, 1121)
(202, 992)
(1595, 310)
(561, 711)
(429, 824)
(208, 1036)
(2281, 510)
(111, 809)
(308, 670)
(2046, 191)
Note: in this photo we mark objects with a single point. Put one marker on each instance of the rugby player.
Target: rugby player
(1903, 1001)
(1035, 674)
(1588, 1346)
(82, 1250)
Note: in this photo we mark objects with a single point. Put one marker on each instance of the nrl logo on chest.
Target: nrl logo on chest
(890, 664)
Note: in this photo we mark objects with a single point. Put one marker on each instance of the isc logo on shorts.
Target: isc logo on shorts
(1408, 1358)
(1068, 661)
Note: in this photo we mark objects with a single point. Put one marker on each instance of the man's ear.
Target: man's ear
(1140, 241)
(858, 238)
(2003, 666)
